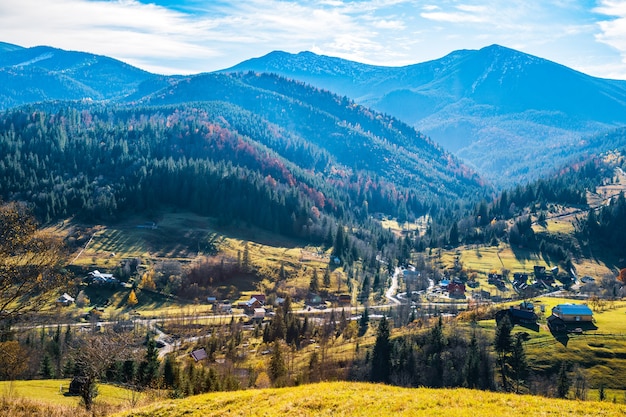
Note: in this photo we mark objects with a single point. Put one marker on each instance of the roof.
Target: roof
(251, 302)
(66, 298)
(573, 309)
(199, 354)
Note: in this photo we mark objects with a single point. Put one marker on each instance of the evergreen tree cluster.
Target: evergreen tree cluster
(433, 358)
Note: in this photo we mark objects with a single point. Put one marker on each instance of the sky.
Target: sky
(193, 36)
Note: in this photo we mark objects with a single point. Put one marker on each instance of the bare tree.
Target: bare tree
(93, 355)
(30, 264)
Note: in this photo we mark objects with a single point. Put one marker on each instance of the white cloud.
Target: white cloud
(613, 30)
(204, 35)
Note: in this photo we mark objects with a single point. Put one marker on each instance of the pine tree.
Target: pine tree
(364, 323)
(314, 285)
(503, 347)
(326, 279)
(278, 368)
(563, 382)
(519, 365)
(381, 356)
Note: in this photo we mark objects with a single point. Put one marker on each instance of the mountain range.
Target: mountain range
(503, 111)
(511, 116)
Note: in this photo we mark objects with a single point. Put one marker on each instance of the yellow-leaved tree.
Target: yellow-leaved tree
(31, 264)
(132, 298)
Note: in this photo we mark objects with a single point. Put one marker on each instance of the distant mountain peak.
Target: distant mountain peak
(9, 47)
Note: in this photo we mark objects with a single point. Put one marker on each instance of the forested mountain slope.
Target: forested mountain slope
(220, 159)
(42, 73)
(504, 111)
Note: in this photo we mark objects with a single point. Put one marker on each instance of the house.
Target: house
(260, 297)
(258, 314)
(481, 295)
(224, 307)
(250, 305)
(199, 354)
(520, 277)
(65, 300)
(313, 299)
(573, 313)
(524, 313)
(344, 300)
(98, 278)
(410, 275)
(456, 288)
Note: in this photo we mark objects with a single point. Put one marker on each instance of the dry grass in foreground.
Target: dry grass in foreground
(361, 399)
(24, 407)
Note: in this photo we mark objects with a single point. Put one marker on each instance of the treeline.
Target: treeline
(216, 159)
(606, 227)
(486, 223)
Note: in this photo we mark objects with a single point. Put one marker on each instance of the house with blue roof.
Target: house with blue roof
(573, 313)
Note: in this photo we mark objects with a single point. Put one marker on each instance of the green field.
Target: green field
(54, 391)
(600, 352)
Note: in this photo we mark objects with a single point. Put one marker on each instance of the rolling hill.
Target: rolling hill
(359, 399)
(488, 106)
(260, 149)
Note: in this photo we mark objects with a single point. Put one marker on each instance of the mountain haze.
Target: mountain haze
(488, 106)
(511, 116)
(44, 73)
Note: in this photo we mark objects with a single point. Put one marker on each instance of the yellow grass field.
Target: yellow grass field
(361, 399)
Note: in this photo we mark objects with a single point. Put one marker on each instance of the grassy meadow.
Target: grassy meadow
(361, 399)
(48, 398)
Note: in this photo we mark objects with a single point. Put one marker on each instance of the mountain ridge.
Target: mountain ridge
(487, 106)
(511, 116)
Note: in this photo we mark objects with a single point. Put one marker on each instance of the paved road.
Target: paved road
(390, 294)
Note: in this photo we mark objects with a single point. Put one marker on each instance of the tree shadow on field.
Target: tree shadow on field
(530, 326)
(560, 337)
(523, 254)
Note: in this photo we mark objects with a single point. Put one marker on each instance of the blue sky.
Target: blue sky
(191, 36)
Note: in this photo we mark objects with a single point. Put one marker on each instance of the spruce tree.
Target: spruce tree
(503, 347)
(46, 370)
(326, 279)
(314, 285)
(563, 382)
(364, 322)
(519, 365)
(381, 356)
(278, 368)
(149, 368)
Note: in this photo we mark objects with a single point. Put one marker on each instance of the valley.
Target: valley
(282, 233)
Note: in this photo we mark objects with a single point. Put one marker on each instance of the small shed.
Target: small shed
(573, 313)
(199, 354)
(65, 299)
